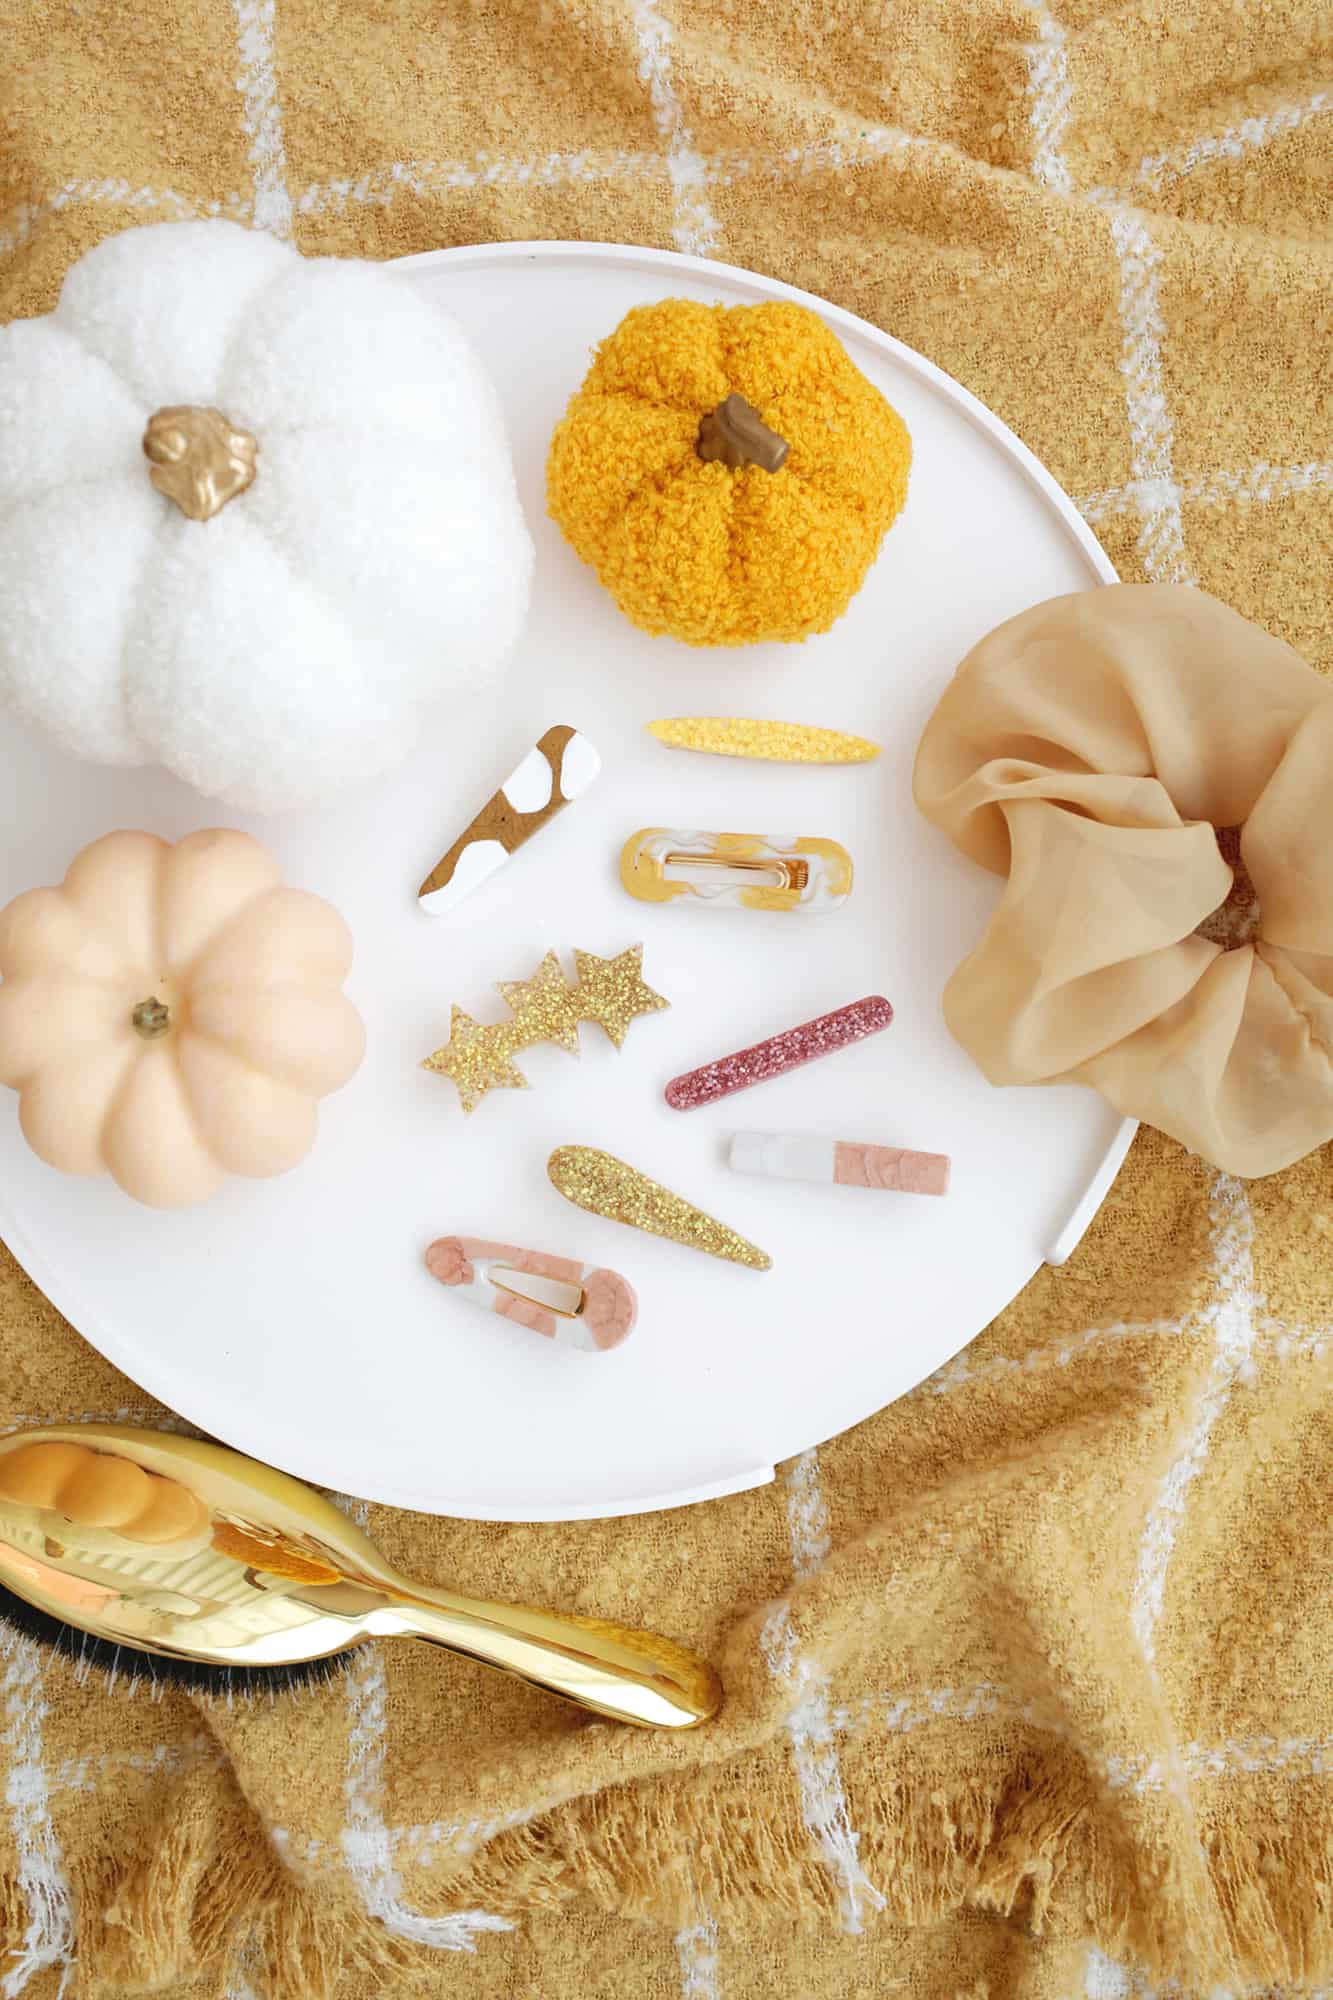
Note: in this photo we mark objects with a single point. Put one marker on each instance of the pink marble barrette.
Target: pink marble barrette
(783, 1156)
(779, 1053)
(564, 1301)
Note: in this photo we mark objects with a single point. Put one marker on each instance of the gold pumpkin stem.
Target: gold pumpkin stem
(151, 1019)
(198, 459)
(735, 434)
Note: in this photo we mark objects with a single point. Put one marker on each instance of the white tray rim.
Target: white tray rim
(62, 1292)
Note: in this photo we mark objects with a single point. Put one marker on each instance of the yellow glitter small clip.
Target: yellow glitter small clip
(779, 742)
(736, 871)
(609, 991)
(606, 1186)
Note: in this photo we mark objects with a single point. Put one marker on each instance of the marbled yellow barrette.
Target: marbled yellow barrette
(779, 742)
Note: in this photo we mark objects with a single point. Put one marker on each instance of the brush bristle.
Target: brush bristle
(155, 1671)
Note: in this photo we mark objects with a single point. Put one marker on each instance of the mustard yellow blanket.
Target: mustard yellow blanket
(1029, 1676)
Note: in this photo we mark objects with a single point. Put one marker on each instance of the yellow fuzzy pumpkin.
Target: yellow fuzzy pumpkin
(668, 472)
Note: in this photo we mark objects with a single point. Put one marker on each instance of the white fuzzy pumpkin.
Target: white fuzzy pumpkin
(378, 562)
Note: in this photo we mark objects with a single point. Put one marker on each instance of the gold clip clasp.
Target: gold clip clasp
(749, 871)
(557, 1297)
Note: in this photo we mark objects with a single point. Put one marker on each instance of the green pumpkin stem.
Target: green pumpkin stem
(151, 1019)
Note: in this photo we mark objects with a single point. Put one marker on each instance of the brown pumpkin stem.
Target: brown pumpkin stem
(151, 1019)
(735, 434)
(198, 458)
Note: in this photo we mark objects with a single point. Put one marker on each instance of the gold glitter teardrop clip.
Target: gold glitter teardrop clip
(606, 1186)
(478, 1056)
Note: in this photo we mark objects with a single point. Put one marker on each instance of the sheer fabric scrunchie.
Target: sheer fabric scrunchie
(1105, 751)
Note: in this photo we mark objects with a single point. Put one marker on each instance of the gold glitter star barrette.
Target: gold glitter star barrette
(609, 991)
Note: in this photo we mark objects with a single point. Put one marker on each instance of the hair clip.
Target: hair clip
(559, 769)
(605, 1186)
(609, 991)
(570, 1303)
(820, 1037)
(783, 1156)
(749, 871)
(779, 742)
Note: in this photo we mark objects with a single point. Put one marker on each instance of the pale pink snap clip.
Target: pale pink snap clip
(564, 1301)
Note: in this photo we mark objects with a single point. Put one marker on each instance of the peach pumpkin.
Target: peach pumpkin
(171, 1015)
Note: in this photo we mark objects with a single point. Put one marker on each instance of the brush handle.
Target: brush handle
(630, 1676)
(250, 1540)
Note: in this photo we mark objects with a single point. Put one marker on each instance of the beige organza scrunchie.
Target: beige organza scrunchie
(1089, 749)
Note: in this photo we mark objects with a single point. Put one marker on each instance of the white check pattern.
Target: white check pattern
(803, 1676)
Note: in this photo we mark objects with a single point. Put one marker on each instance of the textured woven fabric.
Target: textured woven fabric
(1029, 1676)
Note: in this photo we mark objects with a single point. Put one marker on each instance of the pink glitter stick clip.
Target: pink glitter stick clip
(780, 1052)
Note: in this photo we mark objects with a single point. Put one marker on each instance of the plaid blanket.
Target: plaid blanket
(1029, 1676)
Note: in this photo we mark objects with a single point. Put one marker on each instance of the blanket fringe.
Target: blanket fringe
(1047, 1855)
(1042, 1848)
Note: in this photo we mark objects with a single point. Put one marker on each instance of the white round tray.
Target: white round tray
(294, 1319)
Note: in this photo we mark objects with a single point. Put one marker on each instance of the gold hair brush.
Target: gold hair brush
(212, 1571)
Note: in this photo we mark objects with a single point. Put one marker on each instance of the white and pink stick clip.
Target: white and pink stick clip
(783, 1156)
(564, 1301)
